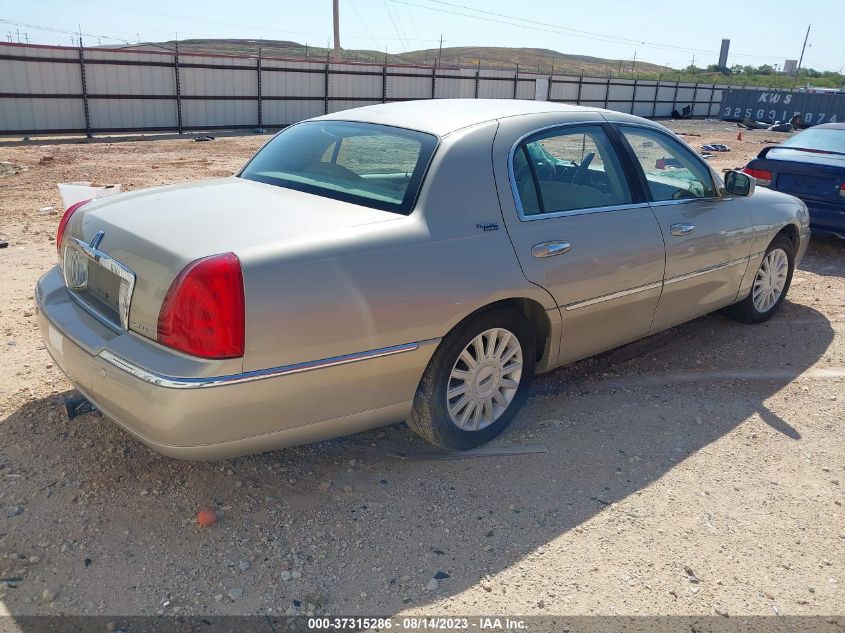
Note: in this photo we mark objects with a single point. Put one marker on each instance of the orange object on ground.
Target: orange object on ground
(739, 136)
(206, 517)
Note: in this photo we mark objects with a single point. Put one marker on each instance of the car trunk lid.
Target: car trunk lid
(808, 175)
(132, 246)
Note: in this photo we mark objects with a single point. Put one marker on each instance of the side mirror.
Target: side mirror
(739, 184)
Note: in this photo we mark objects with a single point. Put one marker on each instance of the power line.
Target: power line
(592, 34)
(511, 20)
(401, 25)
(364, 24)
(195, 18)
(393, 22)
(413, 22)
(50, 29)
(127, 40)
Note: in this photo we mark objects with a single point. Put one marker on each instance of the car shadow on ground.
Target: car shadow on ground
(361, 525)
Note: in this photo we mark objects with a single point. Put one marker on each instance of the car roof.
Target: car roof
(442, 116)
(829, 126)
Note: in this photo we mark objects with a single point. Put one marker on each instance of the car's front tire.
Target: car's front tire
(476, 381)
(771, 283)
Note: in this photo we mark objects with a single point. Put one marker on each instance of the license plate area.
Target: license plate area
(805, 184)
(102, 291)
(103, 284)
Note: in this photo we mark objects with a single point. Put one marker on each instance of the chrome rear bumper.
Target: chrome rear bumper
(204, 410)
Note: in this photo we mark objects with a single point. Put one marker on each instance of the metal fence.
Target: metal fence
(782, 105)
(59, 90)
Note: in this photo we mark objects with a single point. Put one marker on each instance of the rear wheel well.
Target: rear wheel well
(534, 312)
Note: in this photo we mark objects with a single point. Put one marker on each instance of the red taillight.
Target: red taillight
(203, 311)
(763, 176)
(63, 222)
(842, 190)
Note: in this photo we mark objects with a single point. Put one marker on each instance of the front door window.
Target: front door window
(671, 170)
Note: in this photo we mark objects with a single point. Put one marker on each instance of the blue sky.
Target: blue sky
(660, 31)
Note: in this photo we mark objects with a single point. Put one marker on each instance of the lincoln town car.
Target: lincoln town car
(418, 261)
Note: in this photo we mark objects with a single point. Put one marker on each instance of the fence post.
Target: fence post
(516, 80)
(580, 88)
(712, 95)
(607, 93)
(656, 92)
(178, 89)
(634, 96)
(258, 68)
(326, 88)
(549, 88)
(384, 83)
(695, 94)
(84, 90)
(675, 96)
(477, 77)
(433, 80)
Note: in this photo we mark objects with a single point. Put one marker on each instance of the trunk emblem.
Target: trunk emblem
(75, 269)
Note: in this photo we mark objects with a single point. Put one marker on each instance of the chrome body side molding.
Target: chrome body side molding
(658, 284)
(709, 269)
(174, 382)
(615, 295)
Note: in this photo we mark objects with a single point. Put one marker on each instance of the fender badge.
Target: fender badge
(490, 226)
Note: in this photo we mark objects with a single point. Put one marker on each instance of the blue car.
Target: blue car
(810, 166)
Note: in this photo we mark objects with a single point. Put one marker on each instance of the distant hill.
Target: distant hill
(529, 59)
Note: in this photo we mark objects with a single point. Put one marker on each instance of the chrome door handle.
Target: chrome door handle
(548, 249)
(682, 229)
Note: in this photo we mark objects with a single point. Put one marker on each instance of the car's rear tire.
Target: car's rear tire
(476, 381)
(771, 283)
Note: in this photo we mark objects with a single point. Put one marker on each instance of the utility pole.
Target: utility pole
(336, 9)
(634, 64)
(803, 48)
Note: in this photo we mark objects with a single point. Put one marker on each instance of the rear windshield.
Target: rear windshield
(371, 165)
(827, 140)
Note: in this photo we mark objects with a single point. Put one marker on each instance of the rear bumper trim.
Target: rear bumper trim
(173, 382)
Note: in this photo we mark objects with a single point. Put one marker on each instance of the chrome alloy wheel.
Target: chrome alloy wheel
(770, 280)
(484, 379)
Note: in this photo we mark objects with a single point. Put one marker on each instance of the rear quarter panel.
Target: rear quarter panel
(404, 280)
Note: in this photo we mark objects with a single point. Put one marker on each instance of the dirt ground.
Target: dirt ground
(699, 471)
